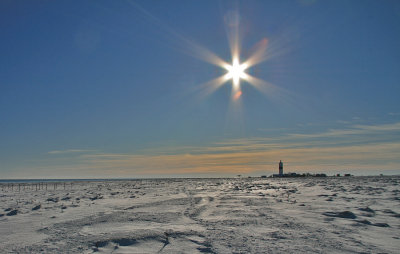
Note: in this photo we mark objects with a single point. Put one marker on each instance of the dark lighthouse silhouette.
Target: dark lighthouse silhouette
(280, 168)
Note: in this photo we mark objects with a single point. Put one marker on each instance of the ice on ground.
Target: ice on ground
(242, 215)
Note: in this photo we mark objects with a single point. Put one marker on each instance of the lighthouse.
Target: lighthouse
(280, 168)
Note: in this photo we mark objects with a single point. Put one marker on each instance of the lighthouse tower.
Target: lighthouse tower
(280, 168)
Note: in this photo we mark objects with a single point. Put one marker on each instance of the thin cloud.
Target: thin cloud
(383, 127)
(69, 151)
(313, 158)
(353, 130)
(360, 147)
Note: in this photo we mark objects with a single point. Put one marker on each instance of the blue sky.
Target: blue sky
(117, 88)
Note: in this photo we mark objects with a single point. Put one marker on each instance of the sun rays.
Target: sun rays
(237, 71)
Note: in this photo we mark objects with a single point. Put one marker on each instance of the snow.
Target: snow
(241, 215)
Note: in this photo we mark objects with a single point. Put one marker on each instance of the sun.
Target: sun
(236, 71)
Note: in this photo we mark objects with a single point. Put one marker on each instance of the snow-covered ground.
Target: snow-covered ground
(298, 215)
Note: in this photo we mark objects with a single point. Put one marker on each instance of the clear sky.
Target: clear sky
(125, 88)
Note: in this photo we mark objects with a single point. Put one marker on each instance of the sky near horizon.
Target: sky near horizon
(131, 88)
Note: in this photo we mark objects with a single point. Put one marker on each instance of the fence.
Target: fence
(37, 186)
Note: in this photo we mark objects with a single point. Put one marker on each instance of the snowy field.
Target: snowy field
(298, 215)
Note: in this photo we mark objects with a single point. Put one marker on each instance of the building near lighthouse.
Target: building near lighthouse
(281, 174)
